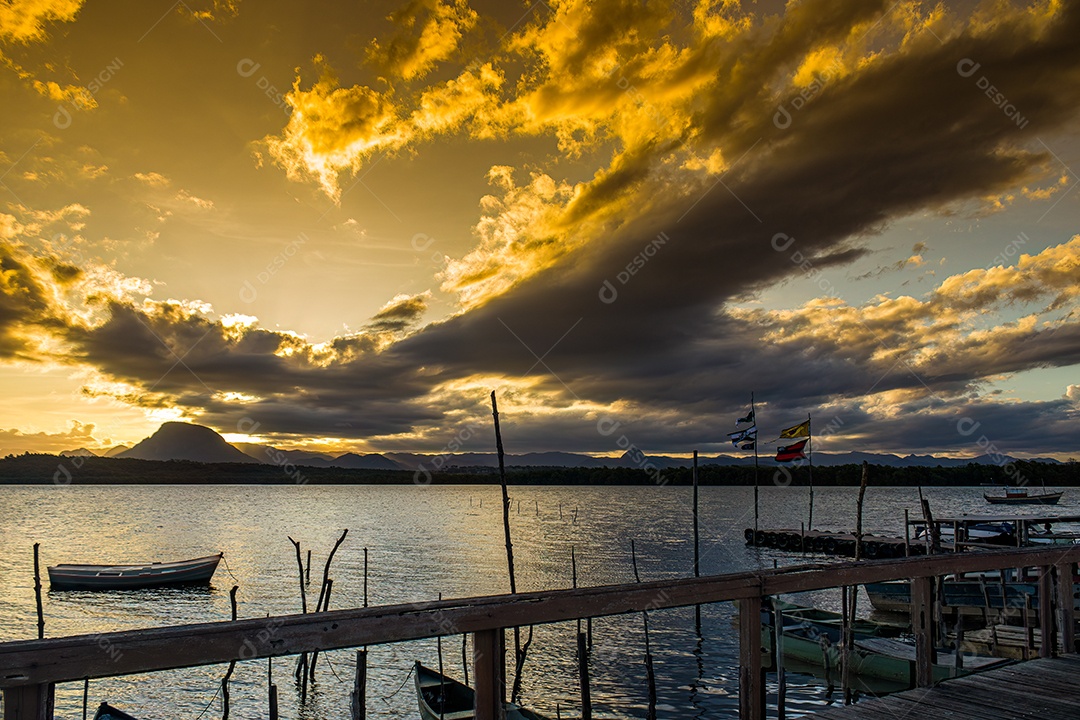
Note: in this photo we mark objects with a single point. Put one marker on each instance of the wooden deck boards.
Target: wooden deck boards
(1045, 689)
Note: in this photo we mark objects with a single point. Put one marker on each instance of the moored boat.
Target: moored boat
(1020, 496)
(824, 622)
(880, 658)
(197, 571)
(443, 698)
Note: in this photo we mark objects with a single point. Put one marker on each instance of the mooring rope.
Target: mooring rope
(387, 698)
(228, 569)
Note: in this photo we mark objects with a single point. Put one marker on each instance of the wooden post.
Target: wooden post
(751, 687)
(487, 671)
(273, 703)
(359, 693)
(583, 676)
(309, 566)
(1046, 610)
(37, 594)
(29, 702)
(1066, 607)
(781, 677)
(922, 608)
(232, 665)
(697, 552)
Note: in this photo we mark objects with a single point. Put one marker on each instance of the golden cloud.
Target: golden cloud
(24, 21)
(428, 32)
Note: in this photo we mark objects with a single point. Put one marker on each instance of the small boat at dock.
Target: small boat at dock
(443, 698)
(824, 623)
(197, 571)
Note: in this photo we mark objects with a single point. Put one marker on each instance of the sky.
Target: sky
(341, 226)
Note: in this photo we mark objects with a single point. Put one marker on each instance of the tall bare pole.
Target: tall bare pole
(505, 495)
(697, 552)
(753, 412)
(810, 447)
(519, 650)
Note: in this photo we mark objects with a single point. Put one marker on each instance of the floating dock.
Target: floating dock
(833, 543)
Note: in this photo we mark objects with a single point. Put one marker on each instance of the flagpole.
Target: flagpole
(810, 443)
(753, 412)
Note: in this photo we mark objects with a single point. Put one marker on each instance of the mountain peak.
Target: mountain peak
(186, 441)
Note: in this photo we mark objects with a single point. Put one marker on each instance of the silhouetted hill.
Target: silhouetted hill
(186, 441)
(81, 452)
(277, 456)
(373, 461)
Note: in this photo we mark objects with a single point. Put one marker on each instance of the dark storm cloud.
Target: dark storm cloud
(640, 319)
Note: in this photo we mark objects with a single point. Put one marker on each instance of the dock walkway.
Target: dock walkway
(1046, 689)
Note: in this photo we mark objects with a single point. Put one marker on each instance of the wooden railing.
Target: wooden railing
(28, 669)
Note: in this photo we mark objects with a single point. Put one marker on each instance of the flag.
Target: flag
(748, 419)
(742, 436)
(798, 431)
(791, 452)
(749, 445)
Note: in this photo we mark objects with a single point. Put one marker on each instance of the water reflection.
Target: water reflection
(421, 541)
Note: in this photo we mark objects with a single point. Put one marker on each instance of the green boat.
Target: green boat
(825, 622)
(443, 698)
(888, 659)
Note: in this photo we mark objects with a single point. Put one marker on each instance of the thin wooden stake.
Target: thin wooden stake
(232, 665)
(907, 534)
(650, 677)
(301, 664)
(465, 656)
(583, 677)
(308, 567)
(300, 564)
(326, 570)
(325, 606)
(519, 650)
(273, 703)
(697, 550)
(85, 697)
(37, 594)
(442, 675)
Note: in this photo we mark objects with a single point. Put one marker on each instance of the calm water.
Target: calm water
(421, 541)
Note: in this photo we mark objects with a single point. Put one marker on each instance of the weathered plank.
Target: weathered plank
(1045, 689)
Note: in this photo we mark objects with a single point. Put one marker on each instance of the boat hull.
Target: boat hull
(869, 658)
(458, 700)
(1043, 499)
(968, 597)
(197, 571)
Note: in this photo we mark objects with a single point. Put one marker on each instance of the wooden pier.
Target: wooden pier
(30, 668)
(834, 543)
(1046, 689)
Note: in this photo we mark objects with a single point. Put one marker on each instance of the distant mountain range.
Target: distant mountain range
(187, 441)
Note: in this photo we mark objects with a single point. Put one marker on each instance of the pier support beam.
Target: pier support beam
(751, 675)
(1066, 606)
(29, 702)
(922, 626)
(488, 672)
(1046, 610)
